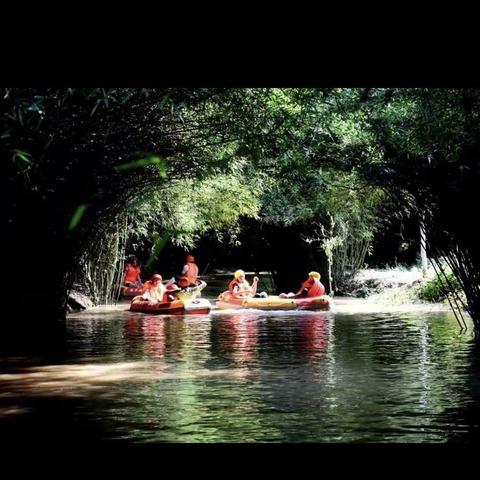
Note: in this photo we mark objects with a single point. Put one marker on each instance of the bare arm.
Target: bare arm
(254, 285)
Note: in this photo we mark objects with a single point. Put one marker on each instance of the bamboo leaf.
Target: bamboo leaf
(22, 155)
(160, 243)
(77, 216)
(144, 162)
(97, 103)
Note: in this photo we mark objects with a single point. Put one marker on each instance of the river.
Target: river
(357, 374)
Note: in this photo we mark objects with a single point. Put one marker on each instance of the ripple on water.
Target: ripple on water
(251, 376)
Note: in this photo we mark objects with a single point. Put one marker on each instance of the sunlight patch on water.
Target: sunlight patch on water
(13, 410)
(74, 379)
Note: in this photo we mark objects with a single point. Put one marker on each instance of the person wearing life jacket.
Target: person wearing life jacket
(239, 286)
(132, 272)
(189, 275)
(172, 291)
(155, 290)
(311, 287)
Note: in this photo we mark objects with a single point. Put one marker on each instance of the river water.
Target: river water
(351, 375)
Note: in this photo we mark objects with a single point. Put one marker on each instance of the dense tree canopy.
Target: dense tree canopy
(85, 166)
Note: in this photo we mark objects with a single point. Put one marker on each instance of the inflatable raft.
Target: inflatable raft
(275, 303)
(191, 292)
(130, 292)
(192, 306)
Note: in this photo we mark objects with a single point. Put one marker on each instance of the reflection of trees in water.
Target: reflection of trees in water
(403, 372)
(284, 339)
(464, 414)
(472, 410)
(98, 335)
(371, 378)
(175, 336)
(291, 374)
(320, 377)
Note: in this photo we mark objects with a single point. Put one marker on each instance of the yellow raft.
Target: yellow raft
(274, 302)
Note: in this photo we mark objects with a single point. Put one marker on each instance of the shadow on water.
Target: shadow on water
(32, 410)
(32, 342)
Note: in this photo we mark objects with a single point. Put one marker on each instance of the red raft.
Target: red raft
(130, 292)
(273, 302)
(185, 306)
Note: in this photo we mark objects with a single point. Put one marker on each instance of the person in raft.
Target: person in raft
(312, 287)
(189, 275)
(240, 288)
(132, 272)
(155, 290)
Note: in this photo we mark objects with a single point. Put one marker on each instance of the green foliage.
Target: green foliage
(188, 209)
(338, 209)
(438, 288)
(144, 162)
(322, 159)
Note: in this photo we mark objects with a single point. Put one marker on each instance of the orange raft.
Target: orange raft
(130, 292)
(185, 306)
(273, 302)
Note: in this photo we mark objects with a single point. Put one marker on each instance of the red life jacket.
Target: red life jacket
(232, 285)
(315, 288)
(190, 275)
(131, 273)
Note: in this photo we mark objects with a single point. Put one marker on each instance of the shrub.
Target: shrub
(437, 288)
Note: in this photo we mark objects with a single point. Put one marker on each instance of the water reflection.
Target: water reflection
(251, 377)
(154, 336)
(314, 334)
(234, 336)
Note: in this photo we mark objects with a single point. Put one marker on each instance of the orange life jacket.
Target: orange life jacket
(314, 288)
(242, 287)
(191, 274)
(132, 273)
